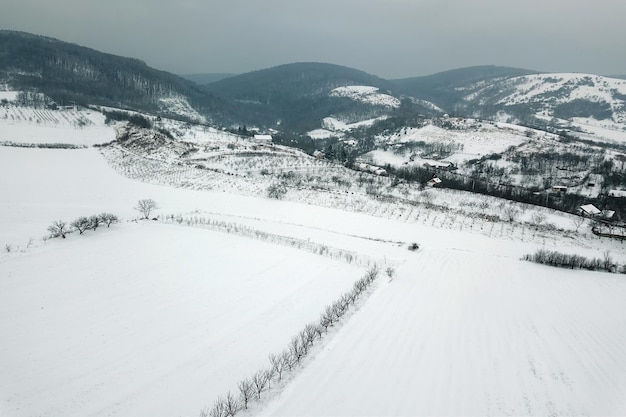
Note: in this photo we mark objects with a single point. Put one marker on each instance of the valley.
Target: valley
(322, 241)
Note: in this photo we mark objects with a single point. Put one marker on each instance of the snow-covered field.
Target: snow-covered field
(147, 318)
(150, 319)
(468, 329)
(66, 125)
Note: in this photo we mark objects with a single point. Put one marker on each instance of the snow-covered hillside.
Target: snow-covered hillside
(587, 101)
(335, 128)
(366, 94)
(180, 106)
(67, 125)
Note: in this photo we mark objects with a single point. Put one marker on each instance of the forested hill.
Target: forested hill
(71, 73)
(292, 81)
(297, 96)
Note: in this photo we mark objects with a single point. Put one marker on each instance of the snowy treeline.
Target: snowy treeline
(250, 389)
(60, 228)
(572, 261)
(42, 145)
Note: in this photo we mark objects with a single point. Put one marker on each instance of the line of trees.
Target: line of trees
(42, 145)
(572, 261)
(250, 389)
(60, 228)
(301, 244)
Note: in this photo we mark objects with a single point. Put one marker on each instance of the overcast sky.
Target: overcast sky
(390, 38)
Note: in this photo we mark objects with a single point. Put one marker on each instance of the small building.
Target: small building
(559, 189)
(607, 214)
(265, 138)
(617, 193)
(319, 154)
(589, 210)
(381, 172)
(433, 182)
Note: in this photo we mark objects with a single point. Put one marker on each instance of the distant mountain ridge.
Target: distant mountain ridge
(206, 78)
(296, 98)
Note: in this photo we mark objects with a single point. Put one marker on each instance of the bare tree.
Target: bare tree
(260, 381)
(269, 374)
(295, 349)
(510, 213)
(94, 222)
(311, 332)
(537, 219)
(287, 359)
(232, 405)
(304, 342)
(578, 221)
(325, 320)
(219, 408)
(81, 224)
(108, 218)
(278, 364)
(58, 228)
(329, 315)
(145, 207)
(246, 389)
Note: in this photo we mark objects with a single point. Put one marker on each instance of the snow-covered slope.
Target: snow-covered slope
(366, 94)
(67, 125)
(180, 106)
(566, 98)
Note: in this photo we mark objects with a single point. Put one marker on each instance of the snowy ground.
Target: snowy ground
(150, 319)
(132, 325)
(66, 125)
(468, 329)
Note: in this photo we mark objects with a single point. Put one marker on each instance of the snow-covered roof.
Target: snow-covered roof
(617, 193)
(263, 137)
(590, 209)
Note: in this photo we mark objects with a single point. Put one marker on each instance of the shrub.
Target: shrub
(276, 191)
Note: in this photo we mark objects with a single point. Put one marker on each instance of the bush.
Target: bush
(276, 191)
(414, 246)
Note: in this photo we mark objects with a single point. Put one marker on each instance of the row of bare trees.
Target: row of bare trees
(573, 261)
(60, 228)
(250, 389)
